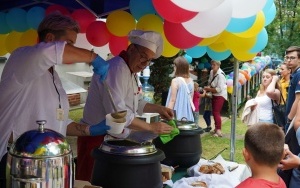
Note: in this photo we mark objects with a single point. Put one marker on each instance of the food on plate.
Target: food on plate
(215, 168)
(198, 184)
(166, 171)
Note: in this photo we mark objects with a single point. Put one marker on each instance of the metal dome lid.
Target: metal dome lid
(40, 143)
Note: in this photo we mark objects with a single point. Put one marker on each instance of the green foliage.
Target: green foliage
(284, 30)
(160, 76)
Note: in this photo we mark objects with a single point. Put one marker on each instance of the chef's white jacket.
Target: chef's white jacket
(124, 87)
(28, 93)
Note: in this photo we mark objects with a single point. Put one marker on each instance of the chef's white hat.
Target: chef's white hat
(148, 39)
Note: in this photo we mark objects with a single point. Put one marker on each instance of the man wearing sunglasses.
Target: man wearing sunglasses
(124, 86)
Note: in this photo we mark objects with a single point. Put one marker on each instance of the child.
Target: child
(264, 149)
(198, 93)
(207, 112)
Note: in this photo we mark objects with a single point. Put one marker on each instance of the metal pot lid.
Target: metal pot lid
(183, 124)
(186, 125)
(40, 143)
(127, 147)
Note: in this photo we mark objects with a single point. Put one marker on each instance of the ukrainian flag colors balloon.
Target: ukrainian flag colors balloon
(4, 28)
(34, 17)
(3, 50)
(243, 55)
(256, 27)
(196, 51)
(169, 50)
(261, 42)
(218, 47)
(270, 14)
(210, 40)
(16, 19)
(120, 23)
(237, 43)
(219, 56)
(29, 38)
(140, 8)
(229, 89)
(150, 22)
(12, 41)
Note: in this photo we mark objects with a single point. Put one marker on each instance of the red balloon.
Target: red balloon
(52, 8)
(179, 37)
(97, 33)
(84, 18)
(171, 12)
(117, 44)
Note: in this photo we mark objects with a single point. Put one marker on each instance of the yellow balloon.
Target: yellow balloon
(208, 41)
(243, 55)
(120, 22)
(229, 89)
(3, 50)
(29, 38)
(169, 50)
(218, 47)
(12, 41)
(150, 22)
(234, 42)
(257, 26)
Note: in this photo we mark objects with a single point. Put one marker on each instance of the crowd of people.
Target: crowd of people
(29, 78)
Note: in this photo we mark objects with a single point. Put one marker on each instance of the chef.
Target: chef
(31, 89)
(123, 81)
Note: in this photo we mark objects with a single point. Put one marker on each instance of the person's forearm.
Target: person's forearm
(293, 110)
(138, 124)
(76, 129)
(73, 54)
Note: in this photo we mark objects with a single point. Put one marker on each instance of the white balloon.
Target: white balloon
(246, 8)
(197, 5)
(210, 23)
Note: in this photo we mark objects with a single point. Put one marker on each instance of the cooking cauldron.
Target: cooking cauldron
(184, 149)
(123, 163)
(41, 158)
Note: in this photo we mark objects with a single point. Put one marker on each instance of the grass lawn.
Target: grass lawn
(210, 145)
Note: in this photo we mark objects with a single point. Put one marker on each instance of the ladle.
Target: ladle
(117, 114)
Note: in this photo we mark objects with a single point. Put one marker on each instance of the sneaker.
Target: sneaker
(207, 129)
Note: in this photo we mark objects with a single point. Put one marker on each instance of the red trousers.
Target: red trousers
(217, 104)
(85, 162)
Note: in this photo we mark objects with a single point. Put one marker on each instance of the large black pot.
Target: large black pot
(184, 149)
(127, 170)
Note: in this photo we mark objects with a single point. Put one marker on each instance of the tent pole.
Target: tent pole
(234, 108)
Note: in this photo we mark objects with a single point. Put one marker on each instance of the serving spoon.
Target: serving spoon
(117, 114)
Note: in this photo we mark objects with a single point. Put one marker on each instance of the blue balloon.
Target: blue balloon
(238, 25)
(270, 14)
(4, 27)
(34, 17)
(196, 51)
(16, 19)
(200, 66)
(261, 41)
(188, 58)
(218, 56)
(268, 5)
(140, 8)
(207, 65)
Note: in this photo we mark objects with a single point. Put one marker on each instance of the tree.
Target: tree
(284, 30)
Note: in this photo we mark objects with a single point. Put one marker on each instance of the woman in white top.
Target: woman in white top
(269, 90)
